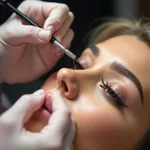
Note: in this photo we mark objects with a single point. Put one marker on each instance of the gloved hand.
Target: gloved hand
(58, 134)
(25, 53)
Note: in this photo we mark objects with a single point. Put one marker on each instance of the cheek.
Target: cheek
(50, 83)
(96, 125)
(94, 116)
(98, 120)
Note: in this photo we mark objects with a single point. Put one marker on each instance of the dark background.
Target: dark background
(86, 12)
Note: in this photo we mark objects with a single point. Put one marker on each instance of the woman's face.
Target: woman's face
(109, 98)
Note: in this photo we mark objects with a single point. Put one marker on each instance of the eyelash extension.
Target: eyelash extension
(77, 66)
(74, 64)
(112, 94)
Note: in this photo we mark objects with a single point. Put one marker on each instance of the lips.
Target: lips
(46, 110)
(48, 103)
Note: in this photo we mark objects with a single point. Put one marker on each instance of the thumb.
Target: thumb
(26, 106)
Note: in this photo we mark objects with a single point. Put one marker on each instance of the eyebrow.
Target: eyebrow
(118, 67)
(94, 49)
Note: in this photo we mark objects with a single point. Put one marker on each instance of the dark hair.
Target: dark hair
(144, 144)
(116, 27)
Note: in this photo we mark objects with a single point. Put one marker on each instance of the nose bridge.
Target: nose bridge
(66, 75)
(76, 76)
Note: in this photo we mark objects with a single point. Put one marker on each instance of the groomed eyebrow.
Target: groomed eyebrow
(94, 49)
(118, 67)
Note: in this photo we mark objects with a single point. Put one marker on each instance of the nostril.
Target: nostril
(67, 82)
(69, 91)
(64, 86)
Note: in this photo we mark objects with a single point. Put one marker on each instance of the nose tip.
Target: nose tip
(67, 82)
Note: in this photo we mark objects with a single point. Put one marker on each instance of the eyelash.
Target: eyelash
(113, 95)
(79, 66)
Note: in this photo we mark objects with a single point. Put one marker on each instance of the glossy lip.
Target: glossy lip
(48, 104)
(44, 113)
(46, 110)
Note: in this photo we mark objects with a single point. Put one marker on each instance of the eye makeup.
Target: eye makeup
(80, 63)
(83, 63)
(112, 94)
(77, 65)
(121, 69)
(94, 49)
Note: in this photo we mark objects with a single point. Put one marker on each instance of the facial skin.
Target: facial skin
(101, 123)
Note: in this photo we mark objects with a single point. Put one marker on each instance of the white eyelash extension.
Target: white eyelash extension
(82, 62)
(74, 64)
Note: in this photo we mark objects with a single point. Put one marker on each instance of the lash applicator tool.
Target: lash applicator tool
(53, 40)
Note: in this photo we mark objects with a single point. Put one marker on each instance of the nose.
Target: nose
(67, 82)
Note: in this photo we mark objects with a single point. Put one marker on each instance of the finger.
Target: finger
(56, 16)
(26, 106)
(68, 144)
(57, 127)
(55, 13)
(60, 119)
(53, 135)
(65, 26)
(27, 33)
(35, 35)
(66, 42)
(31, 9)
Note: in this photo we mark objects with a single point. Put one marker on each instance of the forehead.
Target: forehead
(132, 52)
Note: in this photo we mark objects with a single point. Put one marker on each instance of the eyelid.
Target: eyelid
(119, 90)
(83, 62)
